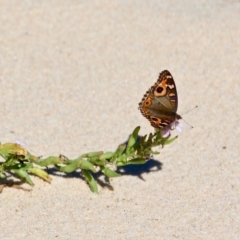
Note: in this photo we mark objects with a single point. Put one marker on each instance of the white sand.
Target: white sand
(72, 75)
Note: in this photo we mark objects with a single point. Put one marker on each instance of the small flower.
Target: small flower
(174, 125)
(165, 132)
(21, 143)
(178, 126)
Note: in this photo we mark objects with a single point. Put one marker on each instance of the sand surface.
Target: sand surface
(72, 75)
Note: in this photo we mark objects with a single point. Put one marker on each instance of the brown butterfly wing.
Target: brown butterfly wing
(159, 104)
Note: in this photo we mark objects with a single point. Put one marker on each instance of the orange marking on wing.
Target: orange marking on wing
(161, 89)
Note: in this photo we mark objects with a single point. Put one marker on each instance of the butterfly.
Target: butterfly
(159, 104)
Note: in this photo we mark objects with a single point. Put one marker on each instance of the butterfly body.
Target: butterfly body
(160, 102)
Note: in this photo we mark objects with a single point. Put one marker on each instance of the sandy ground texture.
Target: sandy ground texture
(72, 75)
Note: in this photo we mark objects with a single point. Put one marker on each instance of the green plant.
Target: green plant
(20, 163)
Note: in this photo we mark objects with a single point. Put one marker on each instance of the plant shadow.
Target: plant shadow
(137, 170)
(151, 165)
(8, 182)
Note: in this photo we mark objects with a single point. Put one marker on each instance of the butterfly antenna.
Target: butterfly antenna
(190, 110)
(187, 123)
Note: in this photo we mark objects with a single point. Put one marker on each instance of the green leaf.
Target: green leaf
(110, 173)
(86, 165)
(24, 176)
(31, 158)
(143, 139)
(18, 166)
(106, 155)
(2, 175)
(165, 142)
(120, 150)
(93, 154)
(137, 161)
(40, 173)
(154, 152)
(70, 167)
(90, 180)
(133, 138)
(97, 162)
(150, 139)
(12, 148)
(119, 164)
(122, 158)
(49, 161)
